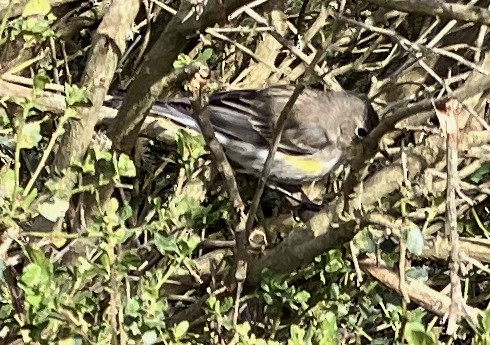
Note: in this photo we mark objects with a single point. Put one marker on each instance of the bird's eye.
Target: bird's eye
(361, 132)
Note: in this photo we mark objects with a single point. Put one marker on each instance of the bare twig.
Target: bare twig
(413, 47)
(430, 299)
(247, 51)
(239, 272)
(442, 9)
(281, 122)
(448, 118)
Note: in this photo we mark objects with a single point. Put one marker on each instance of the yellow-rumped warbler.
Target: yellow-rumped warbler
(318, 133)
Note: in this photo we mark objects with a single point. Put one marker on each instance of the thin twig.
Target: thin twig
(448, 119)
(414, 47)
(239, 272)
(429, 299)
(281, 122)
(442, 9)
(257, 58)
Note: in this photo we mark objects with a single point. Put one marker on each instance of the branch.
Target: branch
(108, 46)
(429, 299)
(448, 119)
(438, 8)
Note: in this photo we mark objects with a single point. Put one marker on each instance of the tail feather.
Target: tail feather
(178, 111)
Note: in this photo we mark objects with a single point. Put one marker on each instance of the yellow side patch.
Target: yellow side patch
(306, 164)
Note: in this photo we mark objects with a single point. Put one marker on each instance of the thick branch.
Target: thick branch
(108, 46)
(429, 299)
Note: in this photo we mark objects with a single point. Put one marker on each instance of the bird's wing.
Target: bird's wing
(242, 115)
(251, 115)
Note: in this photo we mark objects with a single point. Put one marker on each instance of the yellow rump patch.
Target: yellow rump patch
(308, 165)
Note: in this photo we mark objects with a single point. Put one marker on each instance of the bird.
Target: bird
(319, 131)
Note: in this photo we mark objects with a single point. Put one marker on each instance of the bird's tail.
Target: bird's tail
(178, 111)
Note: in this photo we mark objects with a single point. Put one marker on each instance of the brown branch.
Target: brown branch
(156, 128)
(438, 8)
(448, 119)
(478, 84)
(279, 128)
(108, 46)
(436, 248)
(257, 74)
(224, 167)
(239, 271)
(281, 122)
(150, 83)
(428, 298)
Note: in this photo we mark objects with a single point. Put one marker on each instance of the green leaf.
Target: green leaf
(364, 241)
(131, 260)
(28, 200)
(485, 320)
(243, 329)
(111, 207)
(415, 334)
(327, 330)
(419, 273)
(189, 244)
(133, 307)
(125, 213)
(7, 182)
(182, 61)
(149, 337)
(71, 341)
(88, 165)
(205, 55)
(76, 95)
(211, 302)
(190, 146)
(268, 299)
(32, 275)
(30, 135)
(102, 154)
(125, 166)
(334, 261)
(180, 330)
(227, 304)
(34, 300)
(166, 244)
(302, 297)
(415, 240)
(54, 209)
(40, 80)
(35, 7)
(3, 267)
(297, 335)
(481, 173)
